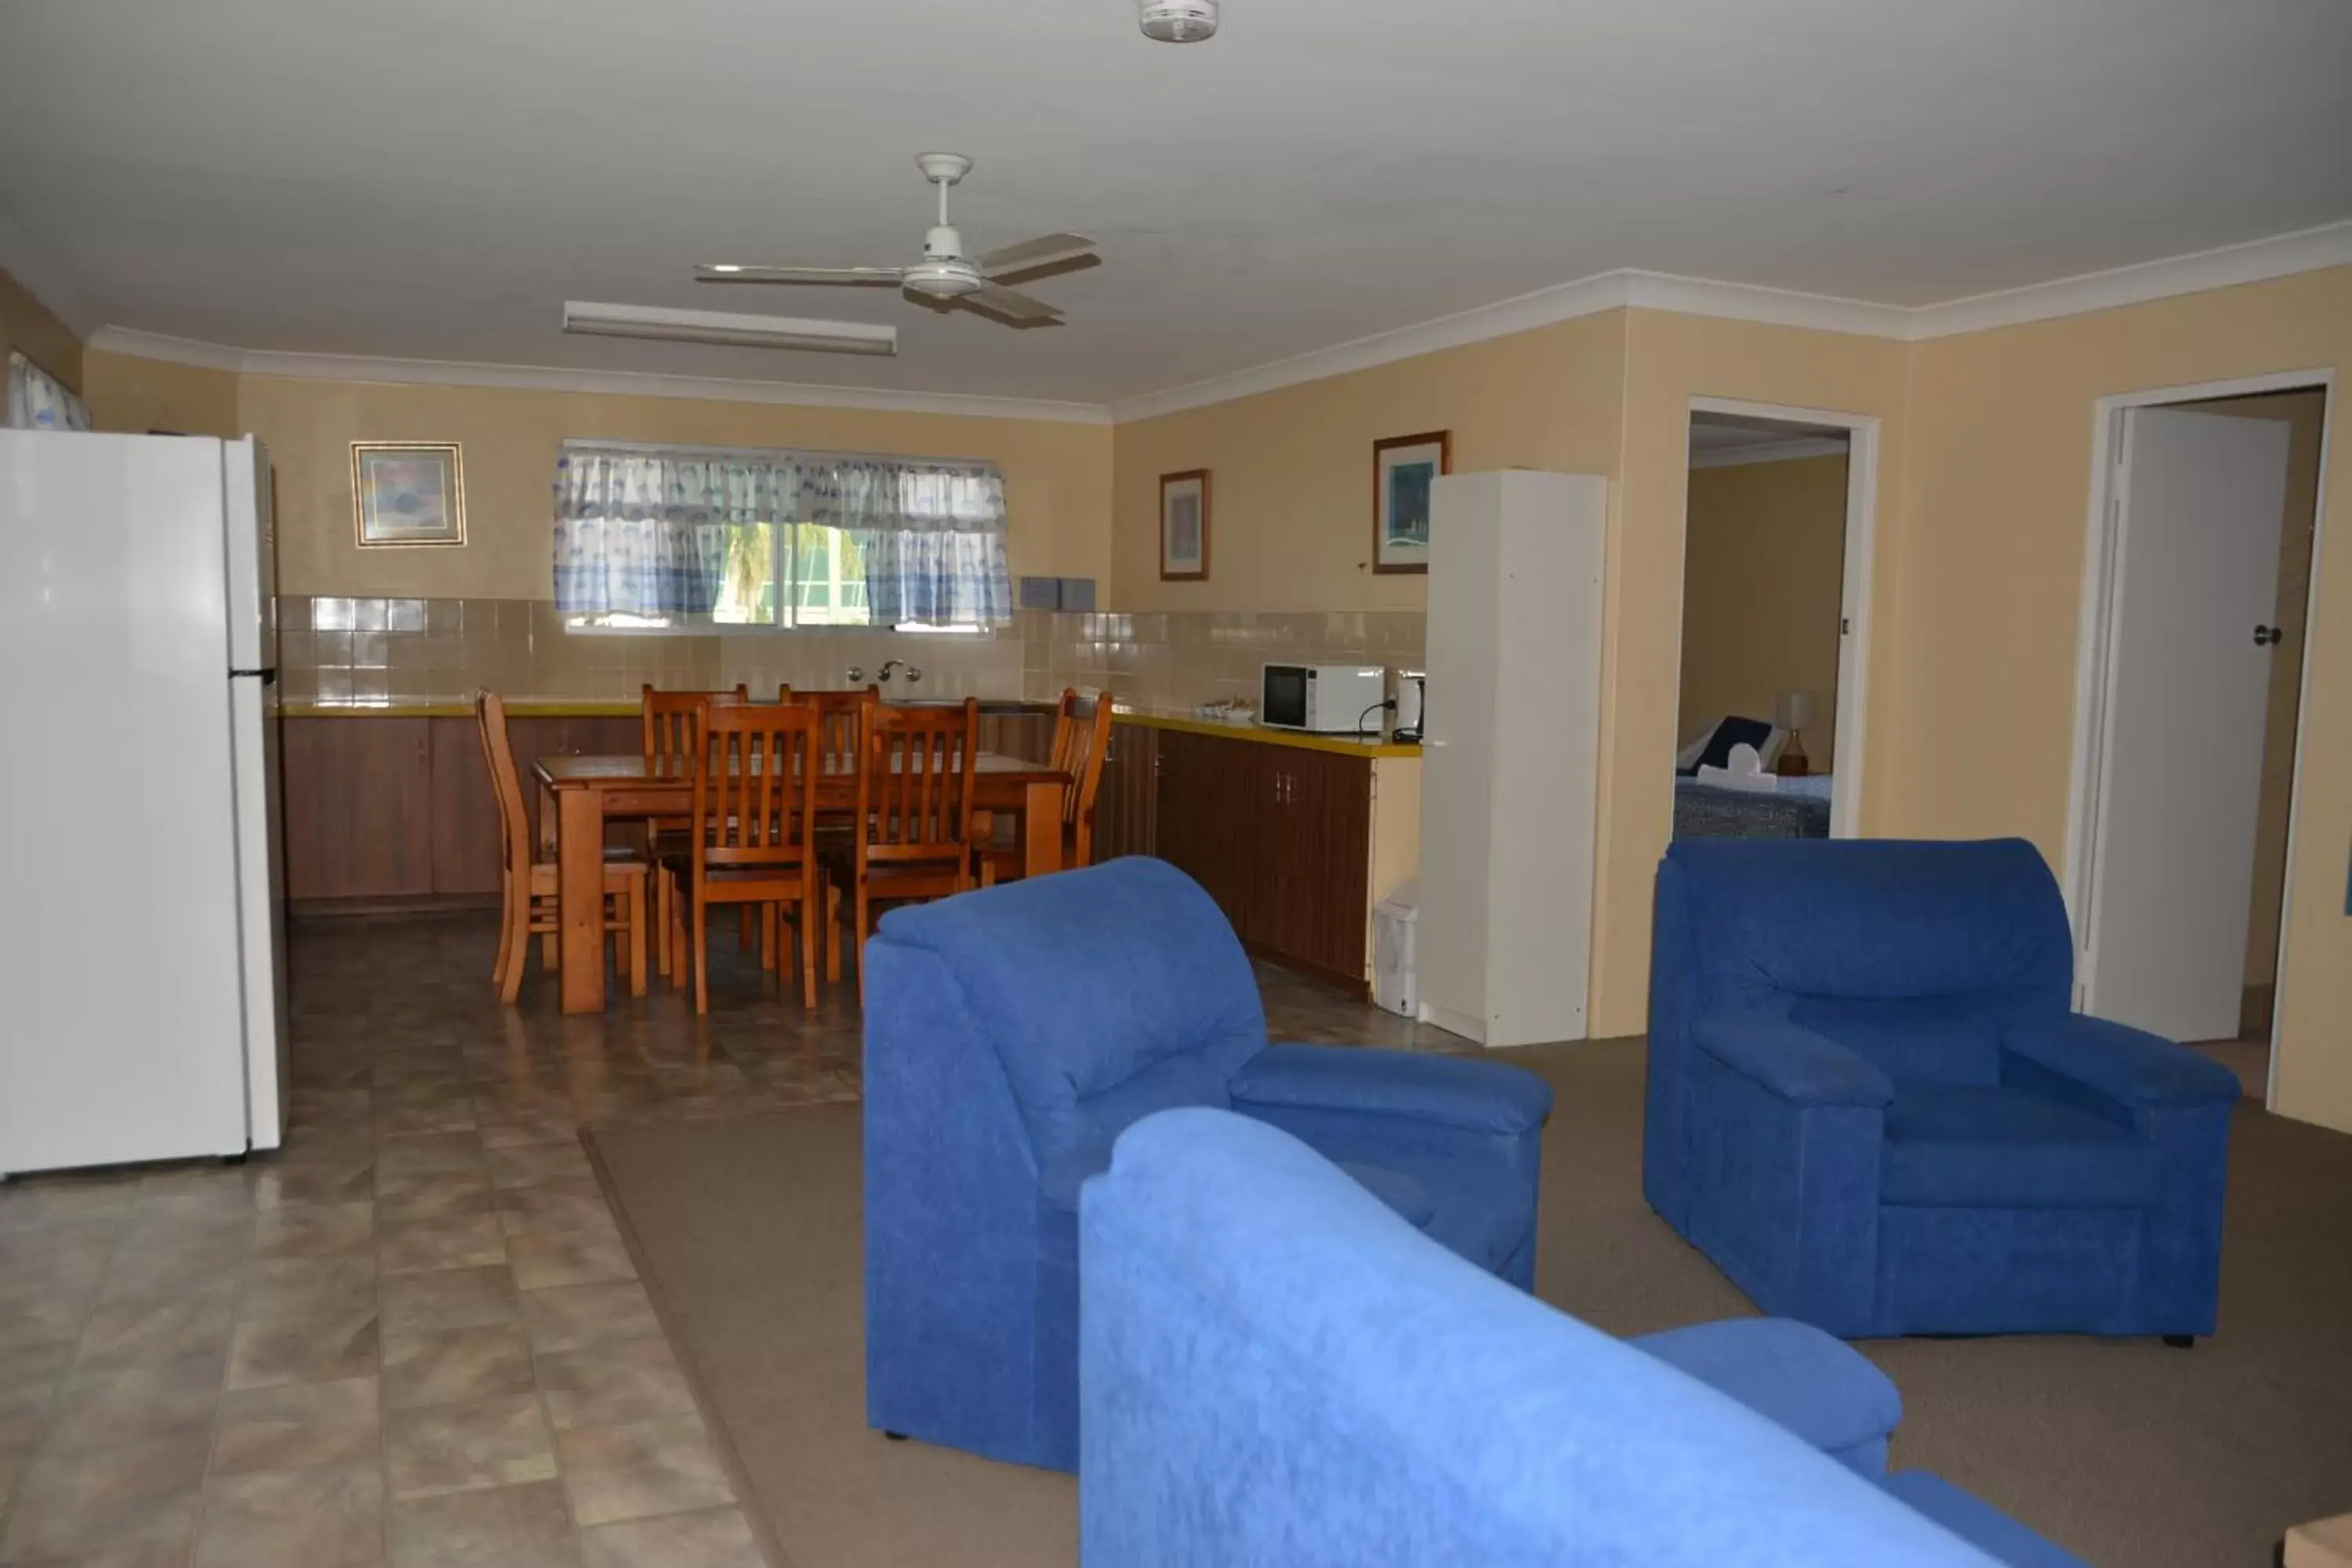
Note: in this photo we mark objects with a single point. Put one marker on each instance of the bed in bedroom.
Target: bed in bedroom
(1798, 808)
(1793, 809)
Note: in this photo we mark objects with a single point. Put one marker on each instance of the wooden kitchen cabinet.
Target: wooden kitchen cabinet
(1126, 799)
(399, 809)
(1280, 836)
(357, 796)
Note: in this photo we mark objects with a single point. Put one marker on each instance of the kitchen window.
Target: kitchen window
(697, 539)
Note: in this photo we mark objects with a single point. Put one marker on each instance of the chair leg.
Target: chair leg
(767, 937)
(661, 920)
(805, 919)
(698, 917)
(517, 945)
(861, 943)
(744, 923)
(506, 931)
(637, 936)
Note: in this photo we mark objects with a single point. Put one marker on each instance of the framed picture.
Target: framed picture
(1184, 526)
(1404, 467)
(408, 492)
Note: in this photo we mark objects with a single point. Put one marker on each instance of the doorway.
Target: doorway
(2196, 596)
(1777, 536)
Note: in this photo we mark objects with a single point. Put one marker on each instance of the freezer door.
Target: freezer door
(121, 1022)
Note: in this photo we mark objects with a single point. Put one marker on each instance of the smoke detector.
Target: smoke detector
(1178, 21)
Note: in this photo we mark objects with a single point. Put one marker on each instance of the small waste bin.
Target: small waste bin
(1396, 921)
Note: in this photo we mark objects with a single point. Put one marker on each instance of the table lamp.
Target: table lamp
(1795, 715)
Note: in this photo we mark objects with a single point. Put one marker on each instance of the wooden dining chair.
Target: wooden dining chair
(528, 886)
(837, 710)
(751, 838)
(670, 727)
(1081, 742)
(912, 832)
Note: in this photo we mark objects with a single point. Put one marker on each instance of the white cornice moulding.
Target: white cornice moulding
(1787, 451)
(548, 378)
(2256, 261)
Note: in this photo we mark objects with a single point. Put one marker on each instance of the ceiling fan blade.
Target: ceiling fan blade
(1042, 251)
(1011, 304)
(728, 272)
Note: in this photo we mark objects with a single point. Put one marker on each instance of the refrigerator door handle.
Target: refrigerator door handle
(269, 674)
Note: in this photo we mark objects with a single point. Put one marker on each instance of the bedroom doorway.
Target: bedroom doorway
(1775, 587)
(2196, 598)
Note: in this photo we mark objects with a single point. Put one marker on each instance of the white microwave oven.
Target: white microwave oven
(1335, 698)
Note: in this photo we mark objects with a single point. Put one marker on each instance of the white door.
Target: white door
(2179, 775)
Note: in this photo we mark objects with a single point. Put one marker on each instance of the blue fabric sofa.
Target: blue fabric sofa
(1012, 1034)
(1869, 1103)
(1276, 1371)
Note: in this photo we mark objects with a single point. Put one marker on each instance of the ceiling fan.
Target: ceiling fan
(945, 272)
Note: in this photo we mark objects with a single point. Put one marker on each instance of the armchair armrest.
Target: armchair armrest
(1475, 1096)
(1794, 1063)
(2128, 1066)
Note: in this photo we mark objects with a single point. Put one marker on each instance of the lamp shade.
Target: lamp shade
(1796, 710)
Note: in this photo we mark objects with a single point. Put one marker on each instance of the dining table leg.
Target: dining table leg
(580, 897)
(1041, 828)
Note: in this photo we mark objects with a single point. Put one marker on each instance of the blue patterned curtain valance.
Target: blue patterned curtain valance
(39, 401)
(655, 532)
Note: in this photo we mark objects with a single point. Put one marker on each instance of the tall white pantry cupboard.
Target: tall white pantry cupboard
(1511, 761)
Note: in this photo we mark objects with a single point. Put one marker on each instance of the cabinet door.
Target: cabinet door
(1127, 798)
(467, 854)
(1207, 812)
(1332, 933)
(358, 808)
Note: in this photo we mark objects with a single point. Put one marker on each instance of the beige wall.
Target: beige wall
(1762, 580)
(1291, 470)
(1980, 736)
(1669, 361)
(2303, 413)
(137, 395)
(28, 327)
(1056, 476)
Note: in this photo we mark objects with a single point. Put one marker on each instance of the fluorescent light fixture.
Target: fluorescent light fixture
(728, 327)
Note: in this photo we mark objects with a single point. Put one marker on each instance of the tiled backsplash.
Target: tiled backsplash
(374, 652)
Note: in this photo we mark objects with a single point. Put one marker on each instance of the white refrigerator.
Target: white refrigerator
(143, 989)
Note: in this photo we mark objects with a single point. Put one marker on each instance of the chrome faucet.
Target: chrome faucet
(891, 665)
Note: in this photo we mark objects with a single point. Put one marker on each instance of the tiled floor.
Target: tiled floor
(414, 1336)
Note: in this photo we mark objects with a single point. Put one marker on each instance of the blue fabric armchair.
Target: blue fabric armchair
(1869, 1103)
(1012, 1034)
(1276, 1371)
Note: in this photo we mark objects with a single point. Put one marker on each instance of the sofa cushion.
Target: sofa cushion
(1914, 1039)
(1966, 1147)
(1407, 1198)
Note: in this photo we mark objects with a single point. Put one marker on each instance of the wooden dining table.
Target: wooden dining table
(591, 791)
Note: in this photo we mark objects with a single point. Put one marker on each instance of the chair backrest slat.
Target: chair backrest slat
(506, 783)
(1090, 745)
(914, 784)
(755, 786)
(670, 720)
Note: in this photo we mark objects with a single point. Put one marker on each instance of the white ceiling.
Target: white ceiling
(432, 178)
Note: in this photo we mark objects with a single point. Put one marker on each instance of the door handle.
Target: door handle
(2265, 635)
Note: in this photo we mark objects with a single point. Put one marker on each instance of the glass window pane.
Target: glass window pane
(746, 586)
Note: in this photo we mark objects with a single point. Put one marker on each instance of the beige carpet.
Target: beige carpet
(2131, 1453)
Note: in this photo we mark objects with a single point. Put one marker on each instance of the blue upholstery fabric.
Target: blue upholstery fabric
(1869, 1103)
(1795, 1375)
(1012, 1034)
(1277, 1370)
(1975, 1520)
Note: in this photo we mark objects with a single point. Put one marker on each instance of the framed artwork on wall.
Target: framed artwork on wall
(1404, 467)
(1184, 526)
(408, 492)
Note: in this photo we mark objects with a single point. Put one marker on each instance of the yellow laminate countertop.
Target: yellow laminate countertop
(519, 708)
(1343, 745)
